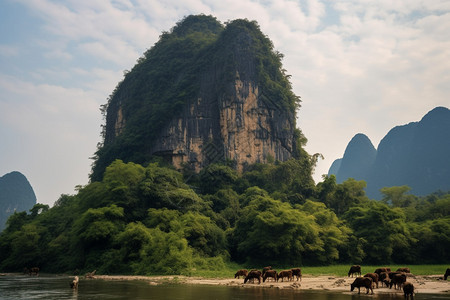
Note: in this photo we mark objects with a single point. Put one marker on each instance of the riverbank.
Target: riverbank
(430, 284)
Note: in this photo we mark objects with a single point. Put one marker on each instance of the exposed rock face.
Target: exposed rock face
(16, 195)
(416, 154)
(229, 115)
(238, 127)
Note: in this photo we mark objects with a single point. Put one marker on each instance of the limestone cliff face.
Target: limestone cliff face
(237, 126)
(197, 101)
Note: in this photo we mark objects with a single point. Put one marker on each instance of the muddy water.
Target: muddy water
(57, 287)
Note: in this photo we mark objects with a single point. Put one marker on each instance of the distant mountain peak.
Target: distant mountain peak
(16, 195)
(416, 154)
(437, 112)
(358, 159)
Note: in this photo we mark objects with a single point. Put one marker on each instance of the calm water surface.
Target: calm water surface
(57, 287)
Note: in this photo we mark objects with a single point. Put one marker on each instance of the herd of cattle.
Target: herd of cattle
(267, 273)
(383, 276)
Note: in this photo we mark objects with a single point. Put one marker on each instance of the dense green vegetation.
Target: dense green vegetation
(148, 220)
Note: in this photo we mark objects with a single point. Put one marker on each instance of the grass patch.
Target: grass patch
(227, 272)
(333, 270)
(342, 270)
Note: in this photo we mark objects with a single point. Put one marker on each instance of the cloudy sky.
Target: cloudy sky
(359, 66)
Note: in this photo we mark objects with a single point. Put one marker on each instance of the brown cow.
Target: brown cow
(381, 270)
(266, 269)
(253, 274)
(285, 273)
(384, 278)
(387, 282)
(297, 272)
(362, 282)
(241, 272)
(408, 290)
(447, 273)
(397, 281)
(271, 274)
(404, 270)
(355, 269)
(374, 277)
(392, 274)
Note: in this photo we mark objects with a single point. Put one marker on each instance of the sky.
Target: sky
(358, 66)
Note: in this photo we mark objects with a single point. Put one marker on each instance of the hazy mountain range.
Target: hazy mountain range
(416, 154)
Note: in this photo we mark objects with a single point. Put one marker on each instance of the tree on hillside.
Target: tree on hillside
(383, 230)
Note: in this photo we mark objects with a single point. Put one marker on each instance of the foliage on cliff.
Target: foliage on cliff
(148, 220)
(170, 73)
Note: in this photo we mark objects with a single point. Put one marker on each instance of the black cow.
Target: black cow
(360, 282)
(355, 269)
(297, 272)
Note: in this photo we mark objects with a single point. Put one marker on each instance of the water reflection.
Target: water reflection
(58, 287)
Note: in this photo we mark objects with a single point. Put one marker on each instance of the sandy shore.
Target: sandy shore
(432, 284)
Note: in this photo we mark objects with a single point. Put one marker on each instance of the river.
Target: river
(57, 287)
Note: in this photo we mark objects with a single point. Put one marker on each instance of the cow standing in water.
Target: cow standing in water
(74, 283)
(360, 282)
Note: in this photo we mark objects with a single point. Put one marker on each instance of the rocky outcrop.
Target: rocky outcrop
(230, 113)
(237, 126)
(416, 154)
(16, 195)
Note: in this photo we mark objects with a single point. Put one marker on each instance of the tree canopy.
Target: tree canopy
(148, 220)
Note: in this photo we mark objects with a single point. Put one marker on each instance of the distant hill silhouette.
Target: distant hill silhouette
(16, 194)
(358, 159)
(416, 154)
